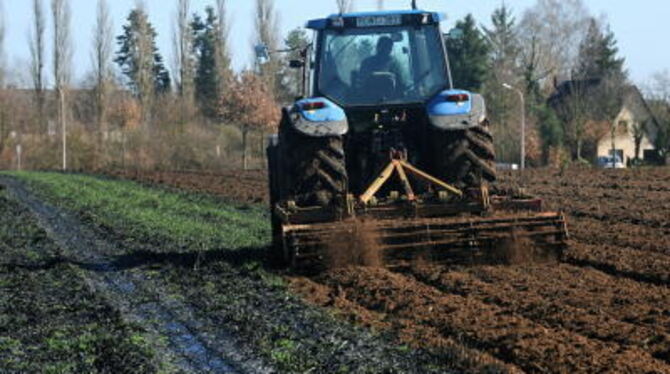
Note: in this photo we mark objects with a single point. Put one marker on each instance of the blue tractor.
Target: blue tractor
(381, 138)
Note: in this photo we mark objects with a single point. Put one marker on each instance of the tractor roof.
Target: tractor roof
(348, 19)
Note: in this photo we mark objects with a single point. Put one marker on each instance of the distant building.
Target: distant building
(630, 135)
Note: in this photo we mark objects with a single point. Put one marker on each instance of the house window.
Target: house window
(653, 157)
(618, 153)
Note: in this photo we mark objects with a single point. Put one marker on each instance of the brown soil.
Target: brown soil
(603, 307)
(356, 242)
(509, 337)
(248, 186)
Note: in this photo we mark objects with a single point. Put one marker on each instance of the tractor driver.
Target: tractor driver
(383, 62)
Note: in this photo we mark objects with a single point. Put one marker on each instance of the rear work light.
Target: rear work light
(457, 98)
(316, 105)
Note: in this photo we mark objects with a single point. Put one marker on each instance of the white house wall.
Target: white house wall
(624, 140)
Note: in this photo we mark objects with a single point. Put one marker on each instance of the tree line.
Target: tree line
(566, 63)
(139, 110)
(132, 98)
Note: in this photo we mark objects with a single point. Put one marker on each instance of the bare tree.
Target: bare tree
(658, 89)
(551, 32)
(102, 68)
(576, 109)
(267, 33)
(62, 61)
(223, 50)
(183, 46)
(2, 46)
(3, 106)
(658, 97)
(250, 104)
(36, 41)
(344, 6)
(144, 64)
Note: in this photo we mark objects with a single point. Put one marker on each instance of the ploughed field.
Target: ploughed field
(603, 307)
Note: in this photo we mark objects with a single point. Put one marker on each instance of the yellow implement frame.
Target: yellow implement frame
(403, 167)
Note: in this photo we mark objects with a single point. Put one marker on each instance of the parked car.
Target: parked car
(610, 162)
(506, 166)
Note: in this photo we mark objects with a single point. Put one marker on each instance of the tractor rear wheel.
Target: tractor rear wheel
(277, 255)
(317, 169)
(466, 158)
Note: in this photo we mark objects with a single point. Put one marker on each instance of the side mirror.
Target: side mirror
(296, 64)
(455, 34)
(262, 53)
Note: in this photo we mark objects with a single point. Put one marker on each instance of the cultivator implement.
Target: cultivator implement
(437, 240)
(446, 225)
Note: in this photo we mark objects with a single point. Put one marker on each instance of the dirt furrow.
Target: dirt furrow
(462, 358)
(596, 232)
(511, 338)
(241, 185)
(638, 265)
(547, 301)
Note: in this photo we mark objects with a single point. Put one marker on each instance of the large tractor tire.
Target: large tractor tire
(277, 255)
(466, 158)
(316, 168)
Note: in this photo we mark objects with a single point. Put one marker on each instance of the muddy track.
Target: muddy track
(194, 344)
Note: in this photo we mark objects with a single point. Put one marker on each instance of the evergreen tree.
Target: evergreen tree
(598, 55)
(468, 56)
(551, 130)
(504, 46)
(503, 61)
(297, 40)
(162, 80)
(599, 64)
(206, 36)
(139, 58)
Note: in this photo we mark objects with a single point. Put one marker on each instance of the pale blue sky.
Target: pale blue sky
(639, 25)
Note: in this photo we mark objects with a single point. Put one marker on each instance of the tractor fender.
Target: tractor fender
(447, 114)
(318, 117)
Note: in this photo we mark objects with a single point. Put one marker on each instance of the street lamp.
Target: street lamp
(523, 122)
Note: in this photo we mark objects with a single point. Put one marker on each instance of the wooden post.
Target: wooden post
(245, 161)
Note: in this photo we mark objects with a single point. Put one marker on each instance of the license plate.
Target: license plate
(372, 21)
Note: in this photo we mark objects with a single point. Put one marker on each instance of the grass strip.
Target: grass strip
(176, 221)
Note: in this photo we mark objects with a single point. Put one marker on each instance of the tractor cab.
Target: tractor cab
(373, 58)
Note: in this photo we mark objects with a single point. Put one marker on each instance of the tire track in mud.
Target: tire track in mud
(556, 300)
(508, 337)
(191, 347)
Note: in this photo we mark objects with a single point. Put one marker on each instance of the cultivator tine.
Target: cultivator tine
(437, 238)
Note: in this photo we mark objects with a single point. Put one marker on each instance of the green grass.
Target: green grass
(180, 220)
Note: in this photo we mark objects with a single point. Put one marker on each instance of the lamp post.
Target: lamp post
(523, 122)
